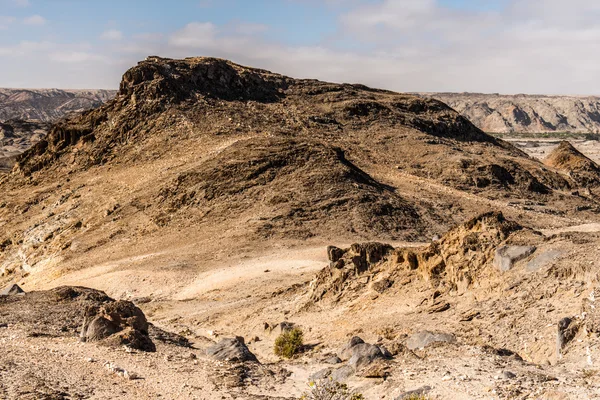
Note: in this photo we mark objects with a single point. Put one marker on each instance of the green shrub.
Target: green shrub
(330, 390)
(289, 343)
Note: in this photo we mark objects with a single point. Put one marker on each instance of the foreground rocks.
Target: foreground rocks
(117, 323)
(77, 311)
(231, 349)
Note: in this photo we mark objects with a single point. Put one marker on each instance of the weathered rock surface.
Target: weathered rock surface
(507, 256)
(118, 323)
(231, 349)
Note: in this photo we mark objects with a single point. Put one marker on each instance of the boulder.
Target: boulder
(364, 354)
(346, 351)
(423, 339)
(117, 323)
(11, 290)
(231, 349)
(507, 256)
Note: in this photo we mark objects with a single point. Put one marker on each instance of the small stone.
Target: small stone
(508, 375)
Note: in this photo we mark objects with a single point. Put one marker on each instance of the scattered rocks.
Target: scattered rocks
(506, 256)
(423, 339)
(120, 371)
(231, 349)
(363, 359)
(508, 375)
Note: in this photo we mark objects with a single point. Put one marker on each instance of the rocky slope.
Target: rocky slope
(206, 192)
(48, 105)
(526, 113)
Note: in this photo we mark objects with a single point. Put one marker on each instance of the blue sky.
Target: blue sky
(503, 46)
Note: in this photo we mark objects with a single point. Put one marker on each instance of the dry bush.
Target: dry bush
(289, 343)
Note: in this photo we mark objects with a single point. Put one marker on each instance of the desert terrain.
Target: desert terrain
(164, 241)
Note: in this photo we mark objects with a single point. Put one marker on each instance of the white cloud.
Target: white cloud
(404, 45)
(34, 20)
(112, 34)
(246, 28)
(75, 57)
(195, 34)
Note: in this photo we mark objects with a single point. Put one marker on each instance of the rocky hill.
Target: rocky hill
(495, 113)
(206, 193)
(48, 105)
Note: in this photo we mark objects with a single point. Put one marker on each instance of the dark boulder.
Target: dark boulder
(231, 349)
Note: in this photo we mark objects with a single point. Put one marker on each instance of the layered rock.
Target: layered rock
(526, 113)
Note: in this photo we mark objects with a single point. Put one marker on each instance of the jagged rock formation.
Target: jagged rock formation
(457, 261)
(576, 165)
(48, 105)
(526, 113)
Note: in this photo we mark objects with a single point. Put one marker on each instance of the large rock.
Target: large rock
(117, 323)
(11, 290)
(231, 349)
(364, 359)
(423, 339)
(507, 256)
(364, 354)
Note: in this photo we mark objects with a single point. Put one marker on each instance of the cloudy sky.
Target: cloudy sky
(505, 46)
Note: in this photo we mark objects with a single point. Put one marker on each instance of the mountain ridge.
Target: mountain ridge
(524, 113)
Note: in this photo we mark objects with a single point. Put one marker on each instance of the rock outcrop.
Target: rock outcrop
(457, 260)
(67, 311)
(118, 323)
(232, 350)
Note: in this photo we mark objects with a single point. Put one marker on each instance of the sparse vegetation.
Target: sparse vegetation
(289, 343)
(330, 390)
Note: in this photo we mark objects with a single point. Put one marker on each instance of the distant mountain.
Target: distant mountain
(48, 105)
(495, 113)
(27, 114)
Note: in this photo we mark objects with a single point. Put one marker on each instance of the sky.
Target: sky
(489, 46)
